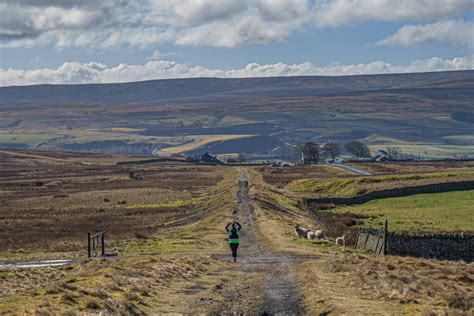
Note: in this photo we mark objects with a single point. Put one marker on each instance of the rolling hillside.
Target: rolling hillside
(425, 113)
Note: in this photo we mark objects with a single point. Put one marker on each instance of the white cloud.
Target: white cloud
(332, 13)
(455, 32)
(111, 23)
(222, 23)
(73, 72)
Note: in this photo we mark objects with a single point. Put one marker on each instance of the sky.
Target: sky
(87, 41)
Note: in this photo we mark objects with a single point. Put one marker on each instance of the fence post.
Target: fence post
(103, 244)
(385, 241)
(377, 250)
(89, 250)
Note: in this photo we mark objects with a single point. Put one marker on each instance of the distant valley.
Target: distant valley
(426, 114)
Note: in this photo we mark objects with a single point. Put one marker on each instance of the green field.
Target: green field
(432, 150)
(440, 212)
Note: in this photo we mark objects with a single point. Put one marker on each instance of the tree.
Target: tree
(310, 152)
(393, 153)
(332, 150)
(358, 149)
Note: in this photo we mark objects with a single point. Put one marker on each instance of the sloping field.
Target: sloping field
(281, 176)
(196, 142)
(438, 212)
(377, 168)
(355, 186)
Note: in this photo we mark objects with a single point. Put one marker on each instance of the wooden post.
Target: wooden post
(89, 250)
(385, 241)
(377, 251)
(103, 243)
(366, 239)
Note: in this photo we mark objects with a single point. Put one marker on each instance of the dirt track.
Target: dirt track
(279, 294)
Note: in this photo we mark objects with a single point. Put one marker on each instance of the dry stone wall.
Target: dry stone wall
(459, 246)
(446, 246)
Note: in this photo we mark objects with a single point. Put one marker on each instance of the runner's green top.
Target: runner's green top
(232, 240)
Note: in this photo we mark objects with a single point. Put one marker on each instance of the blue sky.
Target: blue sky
(80, 41)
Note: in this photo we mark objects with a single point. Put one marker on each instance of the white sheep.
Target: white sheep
(341, 241)
(319, 234)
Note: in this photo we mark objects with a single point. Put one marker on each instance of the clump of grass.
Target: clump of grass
(93, 303)
(69, 298)
(142, 235)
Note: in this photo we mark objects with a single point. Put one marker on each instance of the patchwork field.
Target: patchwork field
(196, 142)
(425, 114)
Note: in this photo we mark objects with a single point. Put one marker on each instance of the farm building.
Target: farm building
(211, 159)
(381, 156)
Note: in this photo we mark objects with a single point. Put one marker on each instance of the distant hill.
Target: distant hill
(423, 113)
(215, 89)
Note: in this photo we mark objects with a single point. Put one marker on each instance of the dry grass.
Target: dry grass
(75, 198)
(440, 284)
(179, 274)
(166, 266)
(127, 286)
(411, 167)
(281, 176)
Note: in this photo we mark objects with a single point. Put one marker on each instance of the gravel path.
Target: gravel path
(280, 292)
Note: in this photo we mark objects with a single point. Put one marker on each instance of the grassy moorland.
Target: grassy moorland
(82, 193)
(280, 177)
(173, 252)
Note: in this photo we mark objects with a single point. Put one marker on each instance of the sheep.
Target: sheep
(301, 232)
(319, 234)
(341, 241)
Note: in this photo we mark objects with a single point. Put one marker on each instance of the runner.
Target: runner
(233, 237)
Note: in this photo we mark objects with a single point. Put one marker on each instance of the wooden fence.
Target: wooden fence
(373, 239)
(94, 242)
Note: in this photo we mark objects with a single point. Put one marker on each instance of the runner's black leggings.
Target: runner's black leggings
(234, 247)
